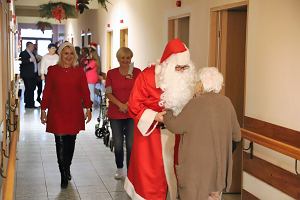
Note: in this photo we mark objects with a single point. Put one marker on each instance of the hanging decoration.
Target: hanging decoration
(43, 25)
(103, 3)
(58, 11)
(82, 5)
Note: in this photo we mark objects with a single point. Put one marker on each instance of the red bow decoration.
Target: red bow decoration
(59, 13)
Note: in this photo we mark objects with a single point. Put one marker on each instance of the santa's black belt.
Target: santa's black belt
(160, 125)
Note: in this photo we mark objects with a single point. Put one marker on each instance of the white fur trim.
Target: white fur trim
(157, 75)
(182, 58)
(146, 121)
(130, 190)
(157, 69)
(168, 143)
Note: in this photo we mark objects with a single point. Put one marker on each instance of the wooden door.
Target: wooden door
(109, 40)
(124, 38)
(227, 53)
(179, 28)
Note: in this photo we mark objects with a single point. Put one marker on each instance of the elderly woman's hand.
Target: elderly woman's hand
(160, 116)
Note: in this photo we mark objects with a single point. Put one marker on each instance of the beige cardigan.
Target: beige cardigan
(208, 125)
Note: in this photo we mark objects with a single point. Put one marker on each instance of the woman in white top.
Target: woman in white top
(49, 59)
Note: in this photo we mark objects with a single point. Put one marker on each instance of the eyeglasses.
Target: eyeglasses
(181, 67)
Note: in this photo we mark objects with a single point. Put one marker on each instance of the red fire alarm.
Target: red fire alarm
(121, 21)
(178, 3)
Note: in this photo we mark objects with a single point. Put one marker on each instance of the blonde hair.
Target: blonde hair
(62, 47)
(124, 51)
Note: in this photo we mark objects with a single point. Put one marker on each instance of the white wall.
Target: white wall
(272, 77)
(273, 64)
(147, 28)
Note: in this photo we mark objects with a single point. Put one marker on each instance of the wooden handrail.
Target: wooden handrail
(9, 183)
(268, 142)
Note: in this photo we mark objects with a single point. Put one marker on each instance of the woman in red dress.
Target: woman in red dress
(65, 96)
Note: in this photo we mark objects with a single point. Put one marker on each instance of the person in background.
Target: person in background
(118, 85)
(51, 58)
(78, 52)
(92, 68)
(29, 73)
(39, 82)
(65, 96)
(208, 125)
(163, 85)
(84, 57)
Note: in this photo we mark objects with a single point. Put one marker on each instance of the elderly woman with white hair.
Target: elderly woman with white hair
(65, 95)
(208, 125)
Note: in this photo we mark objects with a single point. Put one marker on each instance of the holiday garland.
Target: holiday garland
(103, 3)
(60, 10)
(43, 25)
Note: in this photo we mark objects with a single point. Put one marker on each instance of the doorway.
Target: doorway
(109, 38)
(179, 28)
(228, 53)
(124, 37)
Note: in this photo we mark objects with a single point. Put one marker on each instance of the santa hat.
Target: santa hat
(175, 52)
(93, 45)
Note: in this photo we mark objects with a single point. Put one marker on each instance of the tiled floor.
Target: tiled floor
(93, 166)
(37, 170)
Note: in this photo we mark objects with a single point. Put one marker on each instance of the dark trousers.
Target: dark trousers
(30, 84)
(121, 128)
(39, 85)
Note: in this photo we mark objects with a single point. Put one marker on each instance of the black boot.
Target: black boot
(70, 143)
(63, 178)
(61, 160)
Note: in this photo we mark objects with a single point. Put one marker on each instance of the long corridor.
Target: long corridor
(38, 176)
(93, 166)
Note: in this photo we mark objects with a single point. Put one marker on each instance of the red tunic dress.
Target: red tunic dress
(65, 95)
(146, 176)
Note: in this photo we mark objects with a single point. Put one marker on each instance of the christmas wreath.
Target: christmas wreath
(43, 25)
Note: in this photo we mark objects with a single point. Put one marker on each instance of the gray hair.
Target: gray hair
(211, 79)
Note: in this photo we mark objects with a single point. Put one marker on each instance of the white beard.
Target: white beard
(178, 87)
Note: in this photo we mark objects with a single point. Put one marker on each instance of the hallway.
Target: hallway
(38, 177)
(93, 167)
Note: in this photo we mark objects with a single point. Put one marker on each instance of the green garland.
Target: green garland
(43, 25)
(103, 3)
(70, 10)
(46, 9)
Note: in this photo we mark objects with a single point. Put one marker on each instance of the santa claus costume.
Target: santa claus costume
(151, 173)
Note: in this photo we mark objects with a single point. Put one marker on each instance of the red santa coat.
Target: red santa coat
(147, 177)
(65, 95)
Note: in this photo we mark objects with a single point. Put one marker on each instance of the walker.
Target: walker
(102, 128)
